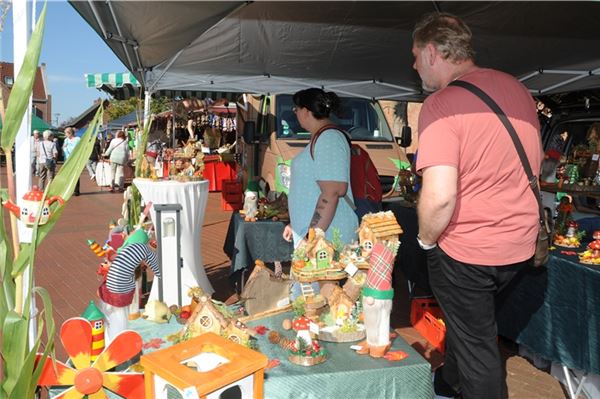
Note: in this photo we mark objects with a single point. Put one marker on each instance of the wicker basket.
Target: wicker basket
(308, 276)
(306, 360)
(339, 336)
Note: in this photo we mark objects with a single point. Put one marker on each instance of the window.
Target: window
(322, 255)
(235, 338)
(206, 322)
(45, 211)
(368, 245)
(9, 81)
(98, 324)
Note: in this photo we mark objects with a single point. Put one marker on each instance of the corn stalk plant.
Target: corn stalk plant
(141, 142)
(19, 372)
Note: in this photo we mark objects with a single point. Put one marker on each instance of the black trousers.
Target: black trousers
(468, 295)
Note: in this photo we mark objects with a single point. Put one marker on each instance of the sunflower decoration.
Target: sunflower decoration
(91, 378)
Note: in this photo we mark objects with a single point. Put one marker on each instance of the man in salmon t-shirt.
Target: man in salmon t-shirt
(478, 217)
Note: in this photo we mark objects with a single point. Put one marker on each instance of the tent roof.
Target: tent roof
(130, 118)
(37, 123)
(358, 48)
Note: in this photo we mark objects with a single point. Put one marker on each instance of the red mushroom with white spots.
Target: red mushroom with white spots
(302, 327)
(595, 247)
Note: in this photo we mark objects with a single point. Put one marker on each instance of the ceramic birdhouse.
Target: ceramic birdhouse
(31, 204)
(377, 227)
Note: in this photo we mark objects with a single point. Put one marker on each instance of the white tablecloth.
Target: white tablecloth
(192, 196)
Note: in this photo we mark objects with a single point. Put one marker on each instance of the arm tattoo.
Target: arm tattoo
(321, 205)
(315, 219)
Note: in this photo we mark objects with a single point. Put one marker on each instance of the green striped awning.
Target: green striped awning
(98, 80)
(122, 86)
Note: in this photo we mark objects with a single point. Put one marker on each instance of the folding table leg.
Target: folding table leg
(568, 375)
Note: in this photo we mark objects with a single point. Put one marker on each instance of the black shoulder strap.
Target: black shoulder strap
(533, 180)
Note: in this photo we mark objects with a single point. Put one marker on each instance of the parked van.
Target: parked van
(276, 136)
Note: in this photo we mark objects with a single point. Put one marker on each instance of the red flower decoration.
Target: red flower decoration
(261, 330)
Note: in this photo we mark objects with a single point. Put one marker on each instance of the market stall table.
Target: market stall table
(553, 311)
(192, 196)
(249, 241)
(345, 374)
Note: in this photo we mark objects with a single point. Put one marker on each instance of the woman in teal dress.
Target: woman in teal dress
(319, 181)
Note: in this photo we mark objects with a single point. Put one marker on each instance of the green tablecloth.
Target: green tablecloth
(344, 374)
(555, 312)
(248, 241)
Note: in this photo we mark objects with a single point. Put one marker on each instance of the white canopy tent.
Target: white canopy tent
(354, 48)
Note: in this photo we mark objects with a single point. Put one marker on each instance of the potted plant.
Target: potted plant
(19, 372)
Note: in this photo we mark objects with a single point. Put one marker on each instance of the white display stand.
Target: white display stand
(192, 196)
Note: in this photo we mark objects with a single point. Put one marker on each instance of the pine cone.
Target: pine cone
(285, 343)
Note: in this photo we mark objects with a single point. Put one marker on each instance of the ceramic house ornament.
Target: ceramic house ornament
(377, 227)
(207, 318)
(31, 204)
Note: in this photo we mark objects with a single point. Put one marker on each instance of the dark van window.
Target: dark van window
(360, 117)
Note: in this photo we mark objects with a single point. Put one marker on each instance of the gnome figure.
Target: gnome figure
(250, 204)
(377, 300)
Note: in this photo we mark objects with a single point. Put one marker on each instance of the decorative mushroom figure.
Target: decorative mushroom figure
(595, 247)
(571, 228)
(302, 327)
(596, 235)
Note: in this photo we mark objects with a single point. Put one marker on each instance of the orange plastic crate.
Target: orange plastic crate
(425, 315)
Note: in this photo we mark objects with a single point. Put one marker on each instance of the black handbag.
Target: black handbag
(542, 248)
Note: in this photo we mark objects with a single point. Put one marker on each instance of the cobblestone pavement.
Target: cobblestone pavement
(66, 267)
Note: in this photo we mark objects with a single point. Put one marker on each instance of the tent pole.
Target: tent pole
(21, 35)
(147, 98)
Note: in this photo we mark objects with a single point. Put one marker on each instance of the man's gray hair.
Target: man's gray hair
(47, 134)
(449, 35)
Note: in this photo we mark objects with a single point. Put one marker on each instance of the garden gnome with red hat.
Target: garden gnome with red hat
(377, 299)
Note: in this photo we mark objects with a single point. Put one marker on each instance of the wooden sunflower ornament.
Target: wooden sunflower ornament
(91, 378)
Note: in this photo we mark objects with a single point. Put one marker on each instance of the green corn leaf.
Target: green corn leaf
(63, 186)
(66, 179)
(14, 348)
(21, 90)
(50, 332)
(136, 197)
(5, 248)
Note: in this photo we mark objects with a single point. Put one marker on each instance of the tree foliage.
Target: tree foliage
(119, 108)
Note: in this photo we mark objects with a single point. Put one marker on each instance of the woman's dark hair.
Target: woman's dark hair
(317, 101)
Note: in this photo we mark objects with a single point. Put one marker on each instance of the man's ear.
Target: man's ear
(431, 53)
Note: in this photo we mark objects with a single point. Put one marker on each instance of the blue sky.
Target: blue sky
(71, 48)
